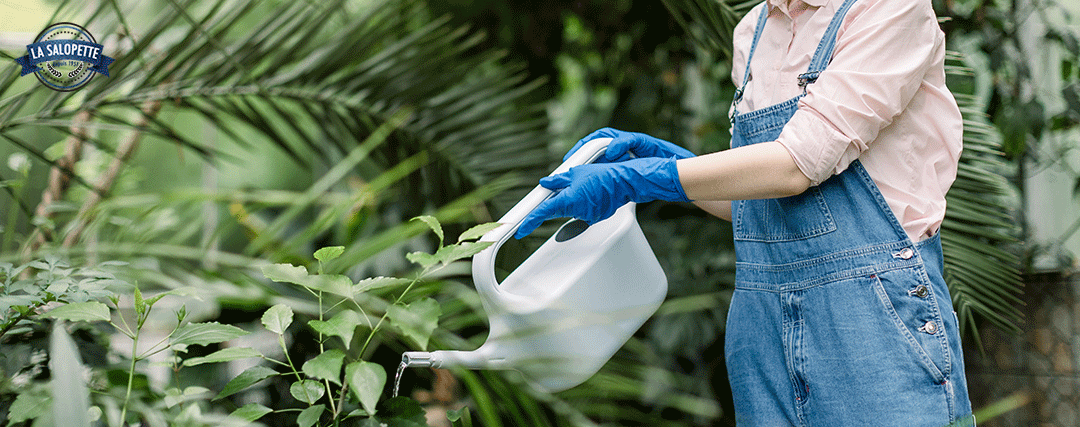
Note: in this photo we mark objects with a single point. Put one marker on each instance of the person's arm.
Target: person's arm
(757, 171)
(718, 208)
(886, 52)
(594, 191)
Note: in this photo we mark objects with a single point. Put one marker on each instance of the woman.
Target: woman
(845, 140)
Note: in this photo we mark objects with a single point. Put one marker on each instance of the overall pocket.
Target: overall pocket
(910, 303)
(783, 219)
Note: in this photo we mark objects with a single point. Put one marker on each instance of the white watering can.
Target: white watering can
(566, 309)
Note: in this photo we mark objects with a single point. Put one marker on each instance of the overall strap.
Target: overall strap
(750, 56)
(824, 51)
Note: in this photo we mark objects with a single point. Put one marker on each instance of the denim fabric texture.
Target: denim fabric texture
(838, 318)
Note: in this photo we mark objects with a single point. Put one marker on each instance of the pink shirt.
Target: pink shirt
(882, 99)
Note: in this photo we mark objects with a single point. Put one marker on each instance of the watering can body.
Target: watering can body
(564, 311)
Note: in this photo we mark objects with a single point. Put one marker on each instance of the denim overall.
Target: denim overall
(837, 318)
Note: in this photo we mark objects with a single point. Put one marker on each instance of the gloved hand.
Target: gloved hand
(593, 192)
(638, 144)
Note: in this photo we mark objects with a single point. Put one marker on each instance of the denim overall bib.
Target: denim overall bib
(837, 317)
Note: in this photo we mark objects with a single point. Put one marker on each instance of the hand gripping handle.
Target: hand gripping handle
(483, 267)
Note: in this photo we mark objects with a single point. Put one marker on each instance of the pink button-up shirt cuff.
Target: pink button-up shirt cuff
(814, 145)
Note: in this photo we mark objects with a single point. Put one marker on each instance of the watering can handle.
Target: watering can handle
(483, 267)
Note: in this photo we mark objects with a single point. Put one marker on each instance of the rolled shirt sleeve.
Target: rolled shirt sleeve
(882, 99)
(884, 51)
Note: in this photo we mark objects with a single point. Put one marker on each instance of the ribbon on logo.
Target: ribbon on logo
(59, 50)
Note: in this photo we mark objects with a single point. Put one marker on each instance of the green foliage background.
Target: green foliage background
(232, 135)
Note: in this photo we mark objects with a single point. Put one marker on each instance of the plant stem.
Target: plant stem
(126, 329)
(372, 335)
(131, 375)
(284, 349)
(154, 348)
(322, 349)
(396, 301)
(341, 401)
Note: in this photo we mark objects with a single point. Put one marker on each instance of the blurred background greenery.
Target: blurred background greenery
(233, 134)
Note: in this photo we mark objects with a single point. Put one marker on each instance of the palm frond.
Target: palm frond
(312, 82)
(710, 22)
(980, 227)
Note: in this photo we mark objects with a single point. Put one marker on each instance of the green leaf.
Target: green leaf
(250, 412)
(309, 416)
(326, 366)
(424, 259)
(432, 223)
(372, 421)
(478, 231)
(246, 379)
(307, 391)
(174, 396)
(277, 319)
(28, 406)
(459, 418)
(448, 254)
(140, 303)
(417, 320)
(342, 325)
(154, 299)
(224, 355)
(205, 333)
(332, 283)
(373, 283)
(287, 273)
(328, 253)
(366, 380)
(464, 250)
(90, 311)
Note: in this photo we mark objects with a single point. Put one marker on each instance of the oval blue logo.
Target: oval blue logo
(65, 57)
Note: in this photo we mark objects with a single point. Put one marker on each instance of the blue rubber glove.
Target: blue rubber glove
(593, 192)
(638, 144)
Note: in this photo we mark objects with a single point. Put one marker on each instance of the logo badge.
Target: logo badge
(64, 57)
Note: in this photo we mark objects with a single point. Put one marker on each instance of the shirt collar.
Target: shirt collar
(783, 3)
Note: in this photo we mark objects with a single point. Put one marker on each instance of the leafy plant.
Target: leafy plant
(55, 293)
(979, 232)
(336, 385)
(364, 114)
(338, 379)
(1026, 82)
(49, 282)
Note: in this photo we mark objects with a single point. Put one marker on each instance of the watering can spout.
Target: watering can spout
(446, 359)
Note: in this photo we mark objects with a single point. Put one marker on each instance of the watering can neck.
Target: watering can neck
(481, 358)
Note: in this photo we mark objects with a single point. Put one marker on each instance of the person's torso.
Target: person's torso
(912, 160)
